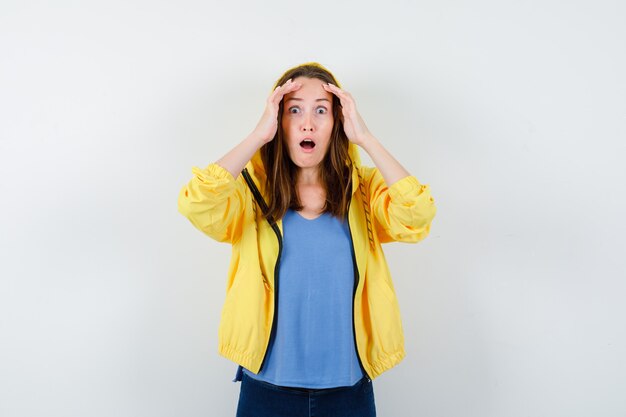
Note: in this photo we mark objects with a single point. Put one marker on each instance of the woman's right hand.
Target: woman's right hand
(267, 126)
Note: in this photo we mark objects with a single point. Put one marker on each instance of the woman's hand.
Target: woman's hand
(357, 132)
(267, 126)
(353, 123)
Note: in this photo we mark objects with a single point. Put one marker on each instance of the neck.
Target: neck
(308, 176)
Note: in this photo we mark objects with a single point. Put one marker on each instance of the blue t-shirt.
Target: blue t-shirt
(313, 345)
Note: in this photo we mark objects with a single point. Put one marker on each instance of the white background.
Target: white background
(513, 112)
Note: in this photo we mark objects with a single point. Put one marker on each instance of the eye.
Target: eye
(323, 110)
(293, 108)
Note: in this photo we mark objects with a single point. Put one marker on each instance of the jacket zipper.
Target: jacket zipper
(356, 283)
(259, 198)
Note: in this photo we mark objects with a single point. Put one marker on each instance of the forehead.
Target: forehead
(310, 90)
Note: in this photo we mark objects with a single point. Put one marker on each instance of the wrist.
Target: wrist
(256, 139)
(367, 141)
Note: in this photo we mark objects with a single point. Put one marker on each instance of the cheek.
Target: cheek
(329, 125)
(327, 132)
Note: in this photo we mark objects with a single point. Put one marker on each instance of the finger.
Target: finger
(280, 86)
(290, 85)
(287, 84)
(281, 90)
(333, 87)
(287, 88)
(342, 94)
(329, 87)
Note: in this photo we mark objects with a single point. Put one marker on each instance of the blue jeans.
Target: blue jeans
(262, 399)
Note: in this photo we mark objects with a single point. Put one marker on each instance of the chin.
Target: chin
(306, 164)
(303, 163)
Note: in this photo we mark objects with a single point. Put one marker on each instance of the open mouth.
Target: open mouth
(307, 144)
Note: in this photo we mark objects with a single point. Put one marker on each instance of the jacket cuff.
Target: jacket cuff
(408, 190)
(212, 173)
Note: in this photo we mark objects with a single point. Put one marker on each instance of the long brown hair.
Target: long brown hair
(335, 168)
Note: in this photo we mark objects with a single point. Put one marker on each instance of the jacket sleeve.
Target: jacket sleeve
(402, 212)
(214, 202)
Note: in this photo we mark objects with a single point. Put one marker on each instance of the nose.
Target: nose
(307, 124)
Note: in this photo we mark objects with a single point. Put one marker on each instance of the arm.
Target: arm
(214, 203)
(235, 160)
(403, 208)
(358, 133)
(215, 198)
(404, 211)
(390, 168)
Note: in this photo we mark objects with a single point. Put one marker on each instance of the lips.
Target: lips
(307, 143)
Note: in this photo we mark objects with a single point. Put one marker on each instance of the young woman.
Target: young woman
(310, 315)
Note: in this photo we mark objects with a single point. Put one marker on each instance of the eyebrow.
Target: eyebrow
(300, 99)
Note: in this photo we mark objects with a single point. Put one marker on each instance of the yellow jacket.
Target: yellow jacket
(225, 209)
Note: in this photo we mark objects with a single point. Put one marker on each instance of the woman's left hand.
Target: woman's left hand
(353, 123)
